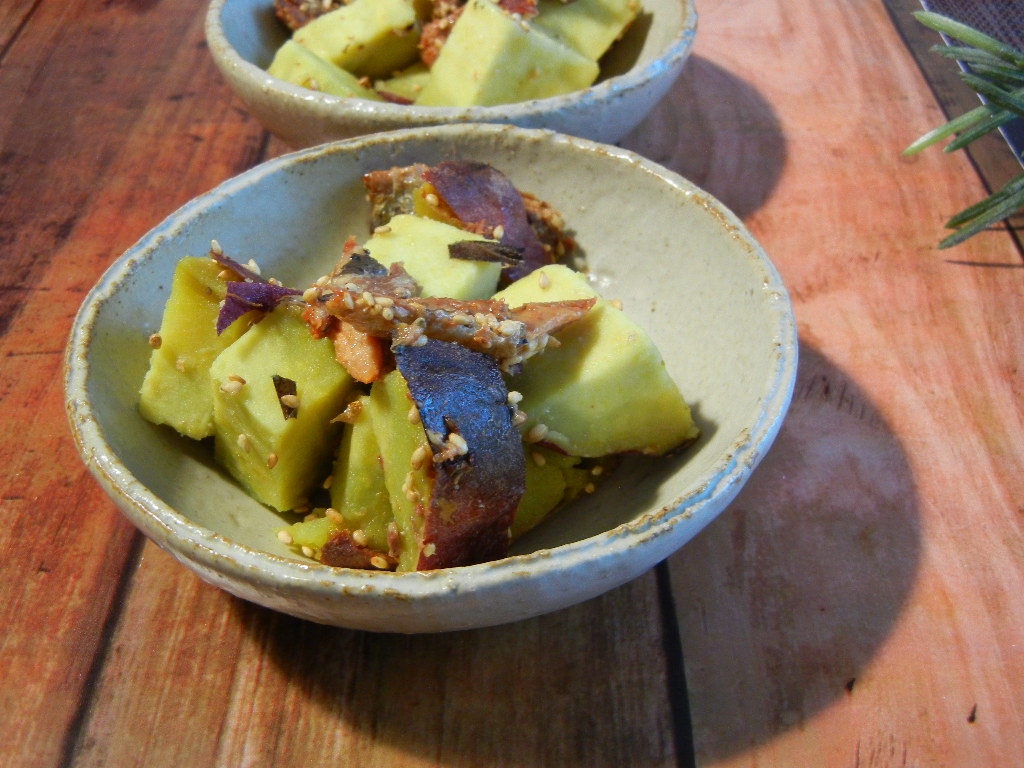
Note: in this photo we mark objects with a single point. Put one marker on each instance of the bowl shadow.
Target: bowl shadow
(717, 131)
(772, 631)
(784, 599)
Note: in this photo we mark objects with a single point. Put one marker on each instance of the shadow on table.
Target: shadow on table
(784, 599)
(717, 131)
(584, 686)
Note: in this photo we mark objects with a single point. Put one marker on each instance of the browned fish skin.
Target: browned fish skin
(486, 325)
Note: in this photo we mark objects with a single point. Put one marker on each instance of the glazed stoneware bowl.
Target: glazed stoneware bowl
(683, 266)
(243, 36)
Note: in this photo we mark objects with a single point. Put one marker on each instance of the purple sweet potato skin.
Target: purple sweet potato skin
(476, 494)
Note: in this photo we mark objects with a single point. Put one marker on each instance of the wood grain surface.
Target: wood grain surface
(859, 604)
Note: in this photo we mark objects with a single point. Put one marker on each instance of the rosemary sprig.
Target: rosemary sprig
(995, 71)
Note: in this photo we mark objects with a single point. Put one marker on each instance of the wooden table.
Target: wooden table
(861, 603)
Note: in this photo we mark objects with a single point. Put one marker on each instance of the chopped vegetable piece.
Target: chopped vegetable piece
(583, 395)
(176, 389)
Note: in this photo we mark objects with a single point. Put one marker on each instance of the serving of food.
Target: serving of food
(465, 487)
(447, 385)
(448, 53)
(313, 72)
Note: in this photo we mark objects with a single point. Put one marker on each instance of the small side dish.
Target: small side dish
(447, 386)
(448, 53)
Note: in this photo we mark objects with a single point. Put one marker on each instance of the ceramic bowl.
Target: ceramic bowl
(243, 36)
(684, 267)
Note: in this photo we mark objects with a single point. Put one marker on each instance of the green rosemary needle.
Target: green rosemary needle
(995, 71)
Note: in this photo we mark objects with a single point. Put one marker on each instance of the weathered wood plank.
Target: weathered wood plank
(860, 601)
(112, 116)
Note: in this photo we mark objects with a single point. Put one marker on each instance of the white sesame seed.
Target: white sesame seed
(382, 229)
(458, 442)
(359, 537)
(290, 401)
(231, 387)
(499, 232)
(544, 281)
(284, 537)
(244, 442)
(252, 265)
(429, 550)
(538, 459)
(215, 247)
(414, 415)
(307, 551)
(514, 397)
(379, 562)
(309, 295)
(333, 515)
(537, 433)
(328, 482)
(420, 456)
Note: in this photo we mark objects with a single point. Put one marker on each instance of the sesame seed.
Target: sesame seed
(236, 377)
(589, 488)
(367, 298)
(431, 199)
(254, 266)
(538, 459)
(420, 456)
(231, 387)
(244, 442)
(458, 442)
(544, 281)
(597, 471)
(284, 537)
(514, 397)
(225, 274)
(215, 247)
(499, 232)
(379, 562)
(414, 415)
(359, 537)
(328, 482)
(429, 550)
(333, 515)
(388, 314)
(382, 229)
(309, 295)
(537, 433)
(289, 401)
(271, 461)
(617, 303)
(311, 517)
(156, 341)
(348, 300)
(307, 551)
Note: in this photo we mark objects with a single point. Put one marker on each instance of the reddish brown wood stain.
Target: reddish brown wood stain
(859, 604)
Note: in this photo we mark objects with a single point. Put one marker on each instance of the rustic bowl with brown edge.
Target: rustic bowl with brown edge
(684, 267)
(243, 36)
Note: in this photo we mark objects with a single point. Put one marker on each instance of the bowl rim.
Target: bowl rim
(669, 59)
(175, 532)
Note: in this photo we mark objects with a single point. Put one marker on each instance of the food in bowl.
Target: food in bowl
(443, 390)
(448, 53)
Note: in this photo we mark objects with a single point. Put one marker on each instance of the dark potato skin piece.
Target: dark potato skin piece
(478, 488)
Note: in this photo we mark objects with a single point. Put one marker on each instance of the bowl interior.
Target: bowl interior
(683, 267)
(252, 30)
